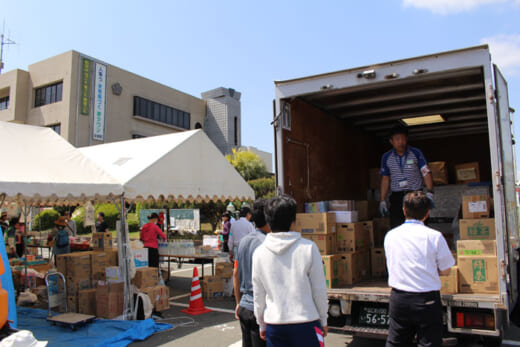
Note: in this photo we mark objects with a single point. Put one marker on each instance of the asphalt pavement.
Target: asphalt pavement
(220, 328)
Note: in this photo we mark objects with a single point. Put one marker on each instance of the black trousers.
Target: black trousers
(153, 257)
(396, 209)
(414, 314)
(250, 329)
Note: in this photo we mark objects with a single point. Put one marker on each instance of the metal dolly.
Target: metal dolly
(57, 298)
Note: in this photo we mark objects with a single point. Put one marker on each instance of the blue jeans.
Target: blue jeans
(295, 335)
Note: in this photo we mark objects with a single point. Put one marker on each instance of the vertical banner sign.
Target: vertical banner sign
(86, 82)
(100, 80)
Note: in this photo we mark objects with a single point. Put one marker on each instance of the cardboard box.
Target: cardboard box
(212, 287)
(366, 209)
(467, 173)
(476, 206)
(109, 299)
(61, 264)
(351, 237)
(150, 292)
(478, 274)
(112, 256)
(98, 264)
(374, 178)
(354, 267)
(342, 205)
(450, 283)
(476, 248)
(78, 265)
(315, 223)
(477, 229)
(101, 241)
(146, 277)
(162, 297)
(326, 243)
(346, 216)
(331, 268)
(75, 285)
(87, 301)
(379, 229)
(140, 257)
(224, 269)
(439, 171)
(72, 303)
(378, 262)
(113, 274)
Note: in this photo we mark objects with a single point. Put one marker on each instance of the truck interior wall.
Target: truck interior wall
(458, 150)
(338, 157)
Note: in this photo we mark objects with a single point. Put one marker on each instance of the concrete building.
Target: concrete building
(89, 102)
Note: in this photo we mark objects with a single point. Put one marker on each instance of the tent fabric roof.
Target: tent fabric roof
(184, 166)
(41, 167)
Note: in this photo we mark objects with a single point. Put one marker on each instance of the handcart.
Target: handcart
(57, 298)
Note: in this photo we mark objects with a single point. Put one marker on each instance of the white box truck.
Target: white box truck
(331, 129)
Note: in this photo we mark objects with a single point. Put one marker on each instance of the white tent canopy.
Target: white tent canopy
(41, 167)
(181, 166)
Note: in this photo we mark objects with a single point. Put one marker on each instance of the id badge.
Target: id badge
(403, 184)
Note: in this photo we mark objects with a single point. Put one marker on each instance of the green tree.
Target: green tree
(263, 187)
(248, 164)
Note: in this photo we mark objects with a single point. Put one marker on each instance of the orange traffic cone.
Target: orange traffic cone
(196, 304)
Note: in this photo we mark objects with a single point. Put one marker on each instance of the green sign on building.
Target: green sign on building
(86, 73)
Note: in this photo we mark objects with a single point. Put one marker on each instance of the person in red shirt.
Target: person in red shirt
(150, 232)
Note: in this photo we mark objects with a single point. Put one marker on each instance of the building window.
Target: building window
(161, 113)
(56, 128)
(4, 103)
(48, 94)
(236, 131)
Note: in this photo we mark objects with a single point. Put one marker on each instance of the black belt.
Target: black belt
(398, 291)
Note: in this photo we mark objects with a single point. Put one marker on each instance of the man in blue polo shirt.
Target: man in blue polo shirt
(403, 169)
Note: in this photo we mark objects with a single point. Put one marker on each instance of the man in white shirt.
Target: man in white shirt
(239, 229)
(289, 289)
(415, 256)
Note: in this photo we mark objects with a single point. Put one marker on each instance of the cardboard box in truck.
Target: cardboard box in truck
(354, 267)
(366, 209)
(478, 274)
(331, 268)
(326, 242)
(477, 229)
(378, 262)
(315, 223)
(467, 173)
(379, 229)
(450, 283)
(476, 248)
(476, 206)
(351, 237)
(439, 171)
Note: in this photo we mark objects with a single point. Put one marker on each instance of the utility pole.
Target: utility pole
(3, 42)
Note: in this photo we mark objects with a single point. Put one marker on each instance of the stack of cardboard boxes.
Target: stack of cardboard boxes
(147, 280)
(476, 250)
(82, 271)
(216, 287)
(344, 246)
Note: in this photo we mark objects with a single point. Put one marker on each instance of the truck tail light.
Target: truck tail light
(481, 319)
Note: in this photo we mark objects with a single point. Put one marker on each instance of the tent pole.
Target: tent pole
(25, 214)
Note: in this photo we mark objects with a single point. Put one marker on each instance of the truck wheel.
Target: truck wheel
(490, 341)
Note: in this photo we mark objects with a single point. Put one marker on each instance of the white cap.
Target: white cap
(22, 338)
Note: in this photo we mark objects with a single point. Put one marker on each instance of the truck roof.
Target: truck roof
(393, 62)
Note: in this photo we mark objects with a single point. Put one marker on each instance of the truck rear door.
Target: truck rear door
(509, 211)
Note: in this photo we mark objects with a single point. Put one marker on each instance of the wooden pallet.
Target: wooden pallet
(71, 320)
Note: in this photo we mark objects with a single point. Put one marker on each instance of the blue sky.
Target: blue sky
(195, 46)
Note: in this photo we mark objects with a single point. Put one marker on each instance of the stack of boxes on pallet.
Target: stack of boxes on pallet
(348, 237)
(218, 286)
(477, 250)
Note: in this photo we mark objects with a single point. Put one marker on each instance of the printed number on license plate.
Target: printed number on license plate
(374, 316)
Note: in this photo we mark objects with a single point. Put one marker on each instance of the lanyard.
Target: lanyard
(413, 221)
(399, 161)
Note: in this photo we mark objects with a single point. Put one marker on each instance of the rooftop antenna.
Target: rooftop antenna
(4, 41)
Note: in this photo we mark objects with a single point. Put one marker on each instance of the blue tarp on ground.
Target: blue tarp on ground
(101, 332)
(7, 284)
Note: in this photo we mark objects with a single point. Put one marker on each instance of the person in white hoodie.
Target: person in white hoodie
(289, 290)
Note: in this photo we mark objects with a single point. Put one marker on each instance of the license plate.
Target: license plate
(374, 316)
